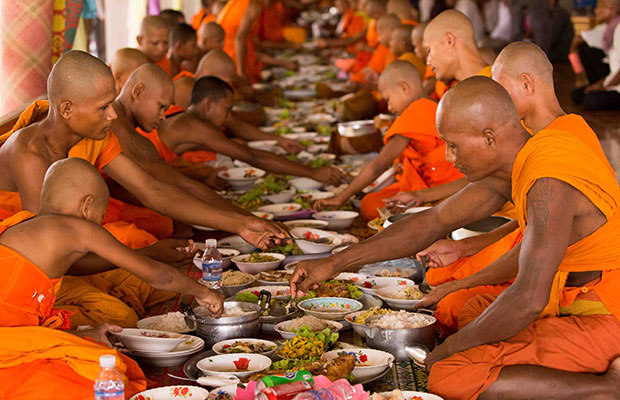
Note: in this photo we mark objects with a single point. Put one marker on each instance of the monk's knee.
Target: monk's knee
(473, 308)
(445, 378)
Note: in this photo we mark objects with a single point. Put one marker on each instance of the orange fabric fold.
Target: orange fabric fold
(182, 74)
(200, 18)
(372, 36)
(199, 156)
(164, 151)
(415, 61)
(144, 218)
(10, 203)
(164, 63)
(230, 19)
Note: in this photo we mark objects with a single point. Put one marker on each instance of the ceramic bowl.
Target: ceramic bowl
(224, 364)
(350, 276)
(231, 290)
(390, 295)
(337, 220)
(281, 209)
(248, 267)
(177, 356)
(301, 236)
(219, 347)
(305, 223)
(368, 362)
(314, 195)
(284, 196)
(148, 340)
(305, 184)
(237, 243)
(331, 308)
(227, 255)
(277, 292)
(371, 284)
(283, 328)
(172, 392)
(241, 178)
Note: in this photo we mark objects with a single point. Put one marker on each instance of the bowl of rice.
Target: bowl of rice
(169, 322)
(239, 319)
(401, 297)
(358, 319)
(287, 329)
(234, 281)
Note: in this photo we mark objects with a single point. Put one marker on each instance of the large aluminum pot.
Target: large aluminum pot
(214, 330)
(394, 341)
(356, 137)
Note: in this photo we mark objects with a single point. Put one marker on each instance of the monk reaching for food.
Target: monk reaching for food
(37, 358)
(553, 333)
(412, 142)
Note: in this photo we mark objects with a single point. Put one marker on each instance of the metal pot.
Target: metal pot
(356, 128)
(214, 330)
(395, 340)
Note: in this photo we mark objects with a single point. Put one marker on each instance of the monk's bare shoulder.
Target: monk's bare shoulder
(23, 152)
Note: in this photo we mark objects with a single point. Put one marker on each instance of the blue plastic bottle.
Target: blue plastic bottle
(109, 383)
(212, 265)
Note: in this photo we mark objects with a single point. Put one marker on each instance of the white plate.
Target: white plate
(371, 284)
(227, 254)
(350, 276)
(386, 294)
(255, 267)
(223, 364)
(263, 215)
(219, 346)
(408, 395)
(337, 219)
(203, 228)
(136, 340)
(305, 223)
(386, 178)
(368, 362)
(237, 179)
(177, 356)
(405, 267)
(237, 243)
(309, 247)
(147, 323)
(231, 390)
(172, 392)
(281, 209)
(305, 184)
(301, 135)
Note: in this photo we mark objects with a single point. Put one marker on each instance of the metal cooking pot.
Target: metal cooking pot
(356, 128)
(394, 341)
(214, 330)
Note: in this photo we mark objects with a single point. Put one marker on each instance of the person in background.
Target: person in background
(172, 16)
(551, 28)
(471, 11)
(498, 20)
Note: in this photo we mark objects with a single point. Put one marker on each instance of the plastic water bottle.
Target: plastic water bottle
(109, 384)
(339, 390)
(212, 265)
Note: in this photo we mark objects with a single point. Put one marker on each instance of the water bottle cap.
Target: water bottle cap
(211, 243)
(107, 361)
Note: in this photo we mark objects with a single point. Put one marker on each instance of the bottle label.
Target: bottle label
(117, 395)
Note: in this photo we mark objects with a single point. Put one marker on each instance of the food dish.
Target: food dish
(405, 395)
(277, 292)
(239, 365)
(177, 356)
(269, 278)
(147, 340)
(245, 345)
(304, 237)
(282, 209)
(172, 392)
(337, 219)
(402, 320)
(241, 178)
(288, 329)
(332, 308)
(358, 319)
(371, 284)
(401, 268)
(305, 184)
(169, 322)
(368, 362)
(258, 262)
(305, 223)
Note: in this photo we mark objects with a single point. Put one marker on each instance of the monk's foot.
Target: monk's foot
(611, 379)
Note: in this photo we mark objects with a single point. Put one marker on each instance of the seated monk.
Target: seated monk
(412, 141)
(404, 11)
(173, 17)
(199, 128)
(453, 56)
(182, 47)
(210, 36)
(124, 62)
(382, 56)
(553, 332)
(428, 79)
(153, 39)
(525, 71)
(203, 15)
(401, 48)
(77, 124)
(351, 27)
(39, 360)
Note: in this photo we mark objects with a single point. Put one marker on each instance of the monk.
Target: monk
(153, 38)
(402, 49)
(210, 36)
(382, 55)
(173, 17)
(199, 128)
(182, 47)
(411, 141)
(203, 15)
(124, 62)
(38, 359)
(351, 28)
(404, 11)
(525, 71)
(80, 115)
(453, 56)
(417, 40)
(528, 342)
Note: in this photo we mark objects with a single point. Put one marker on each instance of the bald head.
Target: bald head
(478, 119)
(124, 62)
(72, 186)
(153, 22)
(400, 85)
(217, 63)
(148, 93)
(451, 21)
(153, 37)
(400, 42)
(211, 36)
(401, 8)
(374, 8)
(172, 17)
(523, 58)
(385, 26)
(417, 40)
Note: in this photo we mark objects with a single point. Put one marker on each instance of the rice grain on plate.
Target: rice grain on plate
(235, 278)
(364, 315)
(170, 322)
(403, 320)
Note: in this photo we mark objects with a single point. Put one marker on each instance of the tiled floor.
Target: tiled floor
(606, 124)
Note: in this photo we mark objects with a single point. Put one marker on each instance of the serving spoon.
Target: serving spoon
(212, 381)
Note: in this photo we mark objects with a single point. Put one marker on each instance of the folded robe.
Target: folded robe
(423, 161)
(584, 343)
(449, 308)
(37, 361)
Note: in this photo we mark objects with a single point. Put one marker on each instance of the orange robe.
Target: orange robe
(449, 308)
(230, 19)
(36, 360)
(195, 156)
(362, 57)
(351, 25)
(415, 61)
(409, 22)
(441, 87)
(201, 18)
(423, 161)
(585, 339)
(271, 22)
(379, 60)
(164, 63)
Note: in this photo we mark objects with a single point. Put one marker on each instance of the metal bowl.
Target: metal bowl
(396, 340)
(356, 128)
(214, 330)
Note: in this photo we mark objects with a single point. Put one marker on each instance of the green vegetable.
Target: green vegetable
(319, 162)
(330, 75)
(305, 204)
(326, 336)
(283, 130)
(288, 249)
(285, 103)
(305, 142)
(285, 114)
(289, 73)
(291, 157)
(247, 297)
(354, 291)
(287, 364)
(324, 130)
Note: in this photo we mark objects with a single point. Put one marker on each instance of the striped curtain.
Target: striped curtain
(65, 22)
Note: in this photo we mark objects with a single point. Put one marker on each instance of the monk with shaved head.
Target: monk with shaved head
(402, 49)
(124, 62)
(37, 251)
(525, 71)
(153, 37)
(411, 141)
(210, 36)
(403, 10)
(77, 122)
(199, 128)
(529, 341)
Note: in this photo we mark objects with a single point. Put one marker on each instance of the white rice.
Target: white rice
(235, 311)
(170, 322)
(403, 320)
(312, 322)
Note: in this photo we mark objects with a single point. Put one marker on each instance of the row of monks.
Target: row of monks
(528, 311)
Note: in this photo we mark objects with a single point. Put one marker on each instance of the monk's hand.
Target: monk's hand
(214, 181)
(330, 175)
(175, 252)
(441, 253)
(262, 233)
(100, 333)
(405, 199)
(292, 146)
(443, 351)
(437, 294)
(213, 300)
(308, 275)
(331, 204)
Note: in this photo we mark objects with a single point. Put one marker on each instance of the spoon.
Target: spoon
(213, 381)
(418, 354)
(424, 286)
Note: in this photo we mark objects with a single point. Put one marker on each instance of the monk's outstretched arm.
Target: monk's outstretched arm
(344, 42)
(250, 15)
(474, 244)
(249, 132)
(550, 212)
